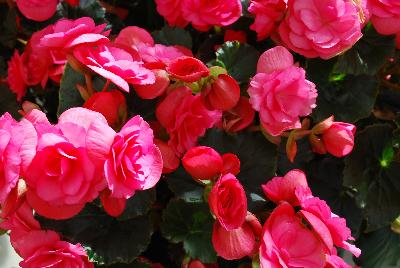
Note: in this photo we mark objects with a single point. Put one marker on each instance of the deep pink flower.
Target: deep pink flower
(160, 56)
(114, 64)
(11, 140)
(131, 159)
(222, 93)
(112, 105)
(171, 10)
(239, 117)
(38, 10)
(339, 138)
(62, 178)
(230, 164)
(112, 205)
(323, 28)
(154, 90)
(237, 243)
(268, 13)
(70, 33)
(186, 118)
(385, 16)
(232, 35)
(187, 69)
(228, 202)
(287, 242)
(280, 91)
(133, 37)
(283, 189)
(202, 163)
(205, 14)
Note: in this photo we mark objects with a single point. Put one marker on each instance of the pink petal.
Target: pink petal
(274, 59)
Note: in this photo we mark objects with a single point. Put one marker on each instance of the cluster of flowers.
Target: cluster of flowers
(305, 237)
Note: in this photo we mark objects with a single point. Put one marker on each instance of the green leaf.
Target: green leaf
(239, 59)
(8, 27)
(368, 55)
(139, 204)
(114, 240)
(377, 187)
(190, 223)
(171, 36)
(380, 249)
(349, 100)
(184, 186)
(68, 94)
(258, 159)
(86, 8)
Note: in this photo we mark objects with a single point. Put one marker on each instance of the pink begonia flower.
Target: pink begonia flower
(114, 64)
(287, 242)
(385, 16)
(11, 140)
(237, 243)
(171, 10)
(205, 14)
(336, 225)
(280, 91)
(37, 10)
(133, 37)
(268, 14)
(282, 189)
(16, 77)
(202, 163)
(62, 178)
(323, 28)
(170, 160)
(70, 33)
(155, 90)
(160, 56)
(131, 159)
(339, 139)
(333, 261)
(228, 202)
(186, 118)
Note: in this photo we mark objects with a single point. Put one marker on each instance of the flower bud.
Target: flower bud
(222, 94)
(339, 139)
(187, 69)
(113, 206)
(154, 90)
(239, 117)
(231, 164)
(111, 105)
(202, 163)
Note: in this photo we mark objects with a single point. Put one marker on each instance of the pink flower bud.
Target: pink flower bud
(113, 206)
(111, 105)
(231, 164)
(339, 139)
(239, 117)
(202, 163)
(222, 94)
(187, 69)
(37, 10)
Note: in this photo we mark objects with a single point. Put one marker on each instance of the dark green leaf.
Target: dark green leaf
(239, 59)
(368, 55)
(348, 100)
(86, 8)
(258, 159)
(172, 36)
(139, 204)
(378, 187)
(190, 223)
(115, 241)
(380, 249)
(184, 186)
(8, 27)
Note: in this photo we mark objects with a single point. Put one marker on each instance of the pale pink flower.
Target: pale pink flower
(131, 159)
(280, 91)
(385, 16)
(323, 28)
(115, 64)
(205, 14)
(268, 14)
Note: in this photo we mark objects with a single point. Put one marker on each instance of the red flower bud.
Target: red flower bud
(202, 163)
(110, 104)
(223, 94)
(113, 206)
(187, 69)
(239, 117)
(154, 90)
(231, 164)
